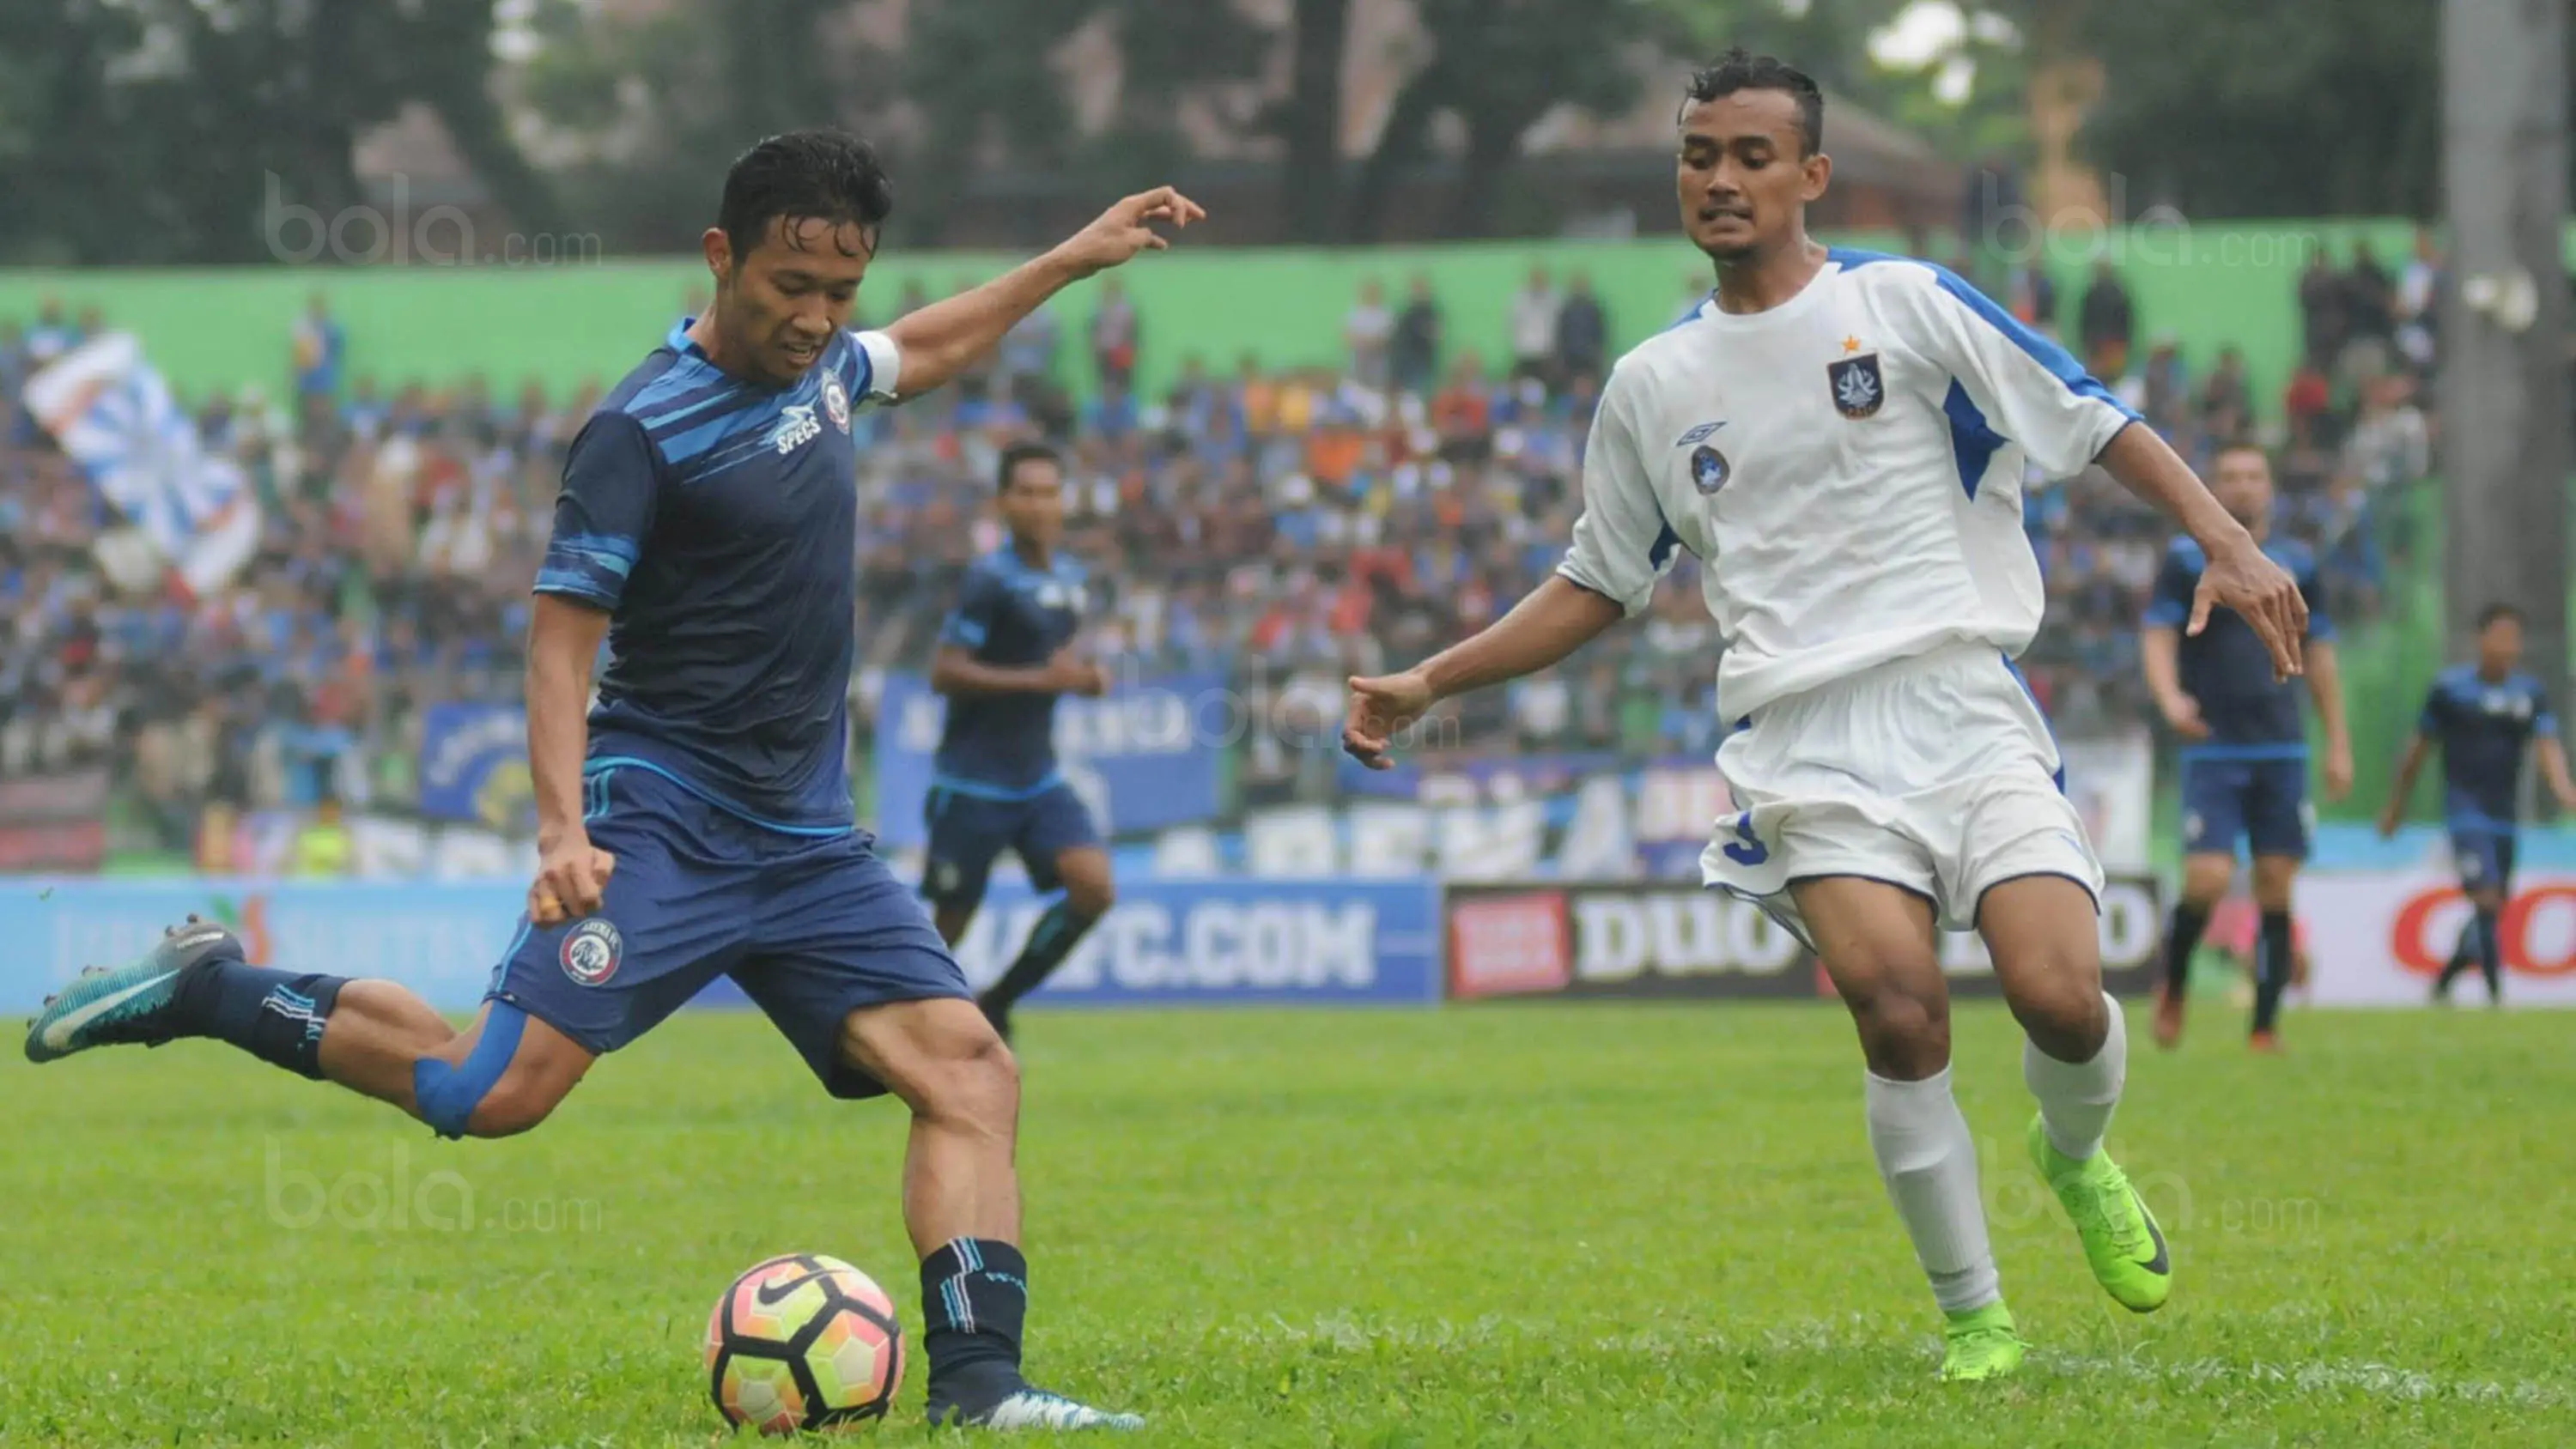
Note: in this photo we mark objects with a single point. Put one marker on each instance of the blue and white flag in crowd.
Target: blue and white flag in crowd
(114, 416)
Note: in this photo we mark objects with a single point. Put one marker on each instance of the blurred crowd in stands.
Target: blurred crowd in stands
(1283, 525)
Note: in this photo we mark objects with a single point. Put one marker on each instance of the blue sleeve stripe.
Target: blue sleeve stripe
(2047, 354)
(2165, 614)
(2545, 725)
(605, 551)
(575, 584)
(962, 630)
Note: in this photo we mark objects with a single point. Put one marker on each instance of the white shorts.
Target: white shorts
(1937, 774)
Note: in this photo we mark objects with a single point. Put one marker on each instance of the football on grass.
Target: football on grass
(803, 1342)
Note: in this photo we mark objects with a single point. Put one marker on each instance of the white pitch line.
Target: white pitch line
(2324, 1376)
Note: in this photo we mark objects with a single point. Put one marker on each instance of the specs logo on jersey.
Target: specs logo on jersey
(1708, 469)
(836, 401)
(1699, 434)
(1858, 389)
(797, 426)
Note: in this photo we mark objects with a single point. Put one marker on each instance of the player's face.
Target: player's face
(2500, 645)
(1033, 504)
(2244, 486)
(780, 304)
(1743, 177)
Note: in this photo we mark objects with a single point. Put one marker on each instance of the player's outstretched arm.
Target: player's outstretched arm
(2238, 574)
(945, 338)
(1557, 618)
(563, 642)
(2403, 788)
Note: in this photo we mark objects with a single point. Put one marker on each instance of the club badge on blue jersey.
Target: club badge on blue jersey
(1858, 388)
(836, 401)
(1708, 469)
(591, 951)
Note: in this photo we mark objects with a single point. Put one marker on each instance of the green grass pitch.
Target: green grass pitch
(1542, 1225)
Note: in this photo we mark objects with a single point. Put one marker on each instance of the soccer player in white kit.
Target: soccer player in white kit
(1839, 437)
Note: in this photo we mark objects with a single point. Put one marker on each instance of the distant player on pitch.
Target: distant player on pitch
(1005, 655)
(2484, 717)
(697, 823)
(2245, 760)
(1839, 436)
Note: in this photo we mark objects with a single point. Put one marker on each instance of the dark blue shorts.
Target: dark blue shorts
(2484, 856)
(811, 927)
(969, 832)
(2263, 802)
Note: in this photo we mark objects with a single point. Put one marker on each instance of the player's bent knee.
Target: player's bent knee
(1902, 1033)
(1091, 898)
(977, 1088)
(494, 1090)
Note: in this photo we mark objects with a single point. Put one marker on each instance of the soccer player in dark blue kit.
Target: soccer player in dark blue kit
(1005, 656)
(2484, 717)
(2245, 756)
(697, 822)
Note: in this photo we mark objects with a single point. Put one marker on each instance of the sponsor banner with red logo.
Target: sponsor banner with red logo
(2380, 938)
(1639, 940)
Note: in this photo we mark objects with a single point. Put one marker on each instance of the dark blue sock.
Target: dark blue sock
(2490, 954)
(276, 1016)
(974, 1299)
(2272, 971)
(1056, 934)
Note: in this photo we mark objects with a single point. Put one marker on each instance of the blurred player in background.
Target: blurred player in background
(1840, 436)
(697, 822)
(1005, 655)
(2484, 717)
(2245, 757)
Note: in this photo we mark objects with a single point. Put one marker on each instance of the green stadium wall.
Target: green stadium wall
(561, 325)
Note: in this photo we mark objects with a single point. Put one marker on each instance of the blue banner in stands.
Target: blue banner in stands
(1144, 756)
(474, 765)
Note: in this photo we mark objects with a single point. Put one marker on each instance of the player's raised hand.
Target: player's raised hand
(1128, 228)
(2245, 579)
(572, 880)
(1380, 707)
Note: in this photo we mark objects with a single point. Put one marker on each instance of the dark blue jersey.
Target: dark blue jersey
(716, 521)
(2484, 727)
(2226, 668)
(1016, 616)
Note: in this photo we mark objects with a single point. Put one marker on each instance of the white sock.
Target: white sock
(1930, 1166)
(2076, 1099)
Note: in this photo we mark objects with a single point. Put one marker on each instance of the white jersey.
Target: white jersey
(1847, 465)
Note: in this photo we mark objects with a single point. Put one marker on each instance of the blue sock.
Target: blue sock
(974, 1300)
(1056, 934)
(276, 1016)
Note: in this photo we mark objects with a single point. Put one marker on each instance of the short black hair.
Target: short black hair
(1018, 453)
(828, 176)
(2492, 612)
(1740, 70)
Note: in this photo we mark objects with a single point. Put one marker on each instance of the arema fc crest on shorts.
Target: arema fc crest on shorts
(1708, 469)
(1858, 388)
(591, 951)
(836, 401)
